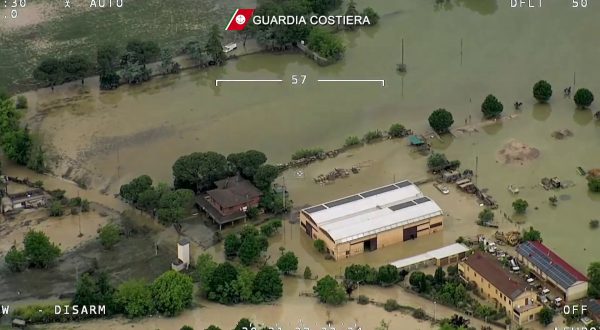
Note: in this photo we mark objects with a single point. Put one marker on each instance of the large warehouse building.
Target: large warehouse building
(372, 219)
(550, 267)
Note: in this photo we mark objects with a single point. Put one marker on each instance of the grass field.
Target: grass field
(61, 31)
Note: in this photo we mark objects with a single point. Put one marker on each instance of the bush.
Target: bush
(109, 236)
(486, 215)
(307, 273)
(520, 206)
(397, 130)
(391, 305)
(440, 120)
(21, 102)
(326, 44)
(363, 300)
(542, 91)
(306, 153)
(319, 244)
(419, 314)
(437, 161)
(372, 136)
(491, 107)
(15, 260)
(372, 15)
(594, 184)
(352, 141)
(56, 209)
(41, 314)
(594, 224)
(583, 98)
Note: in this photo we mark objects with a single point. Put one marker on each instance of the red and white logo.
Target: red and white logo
(240, 19)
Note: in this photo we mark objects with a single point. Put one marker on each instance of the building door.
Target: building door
(370, 245)
(410, 233)
(308, 230)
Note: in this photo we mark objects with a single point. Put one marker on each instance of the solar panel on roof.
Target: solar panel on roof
(544, 263)
(594, 306)
(343, 201)
(315, 209)
(403, 184)
(402, 206)
(378, 191)
(422, 200)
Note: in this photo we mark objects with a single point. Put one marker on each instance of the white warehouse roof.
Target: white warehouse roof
(444, 252)
(373, 211)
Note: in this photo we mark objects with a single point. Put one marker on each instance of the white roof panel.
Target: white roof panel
(440, 253)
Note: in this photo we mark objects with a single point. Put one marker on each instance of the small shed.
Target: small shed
(451, 176)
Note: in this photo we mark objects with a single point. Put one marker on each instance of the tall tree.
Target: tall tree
(351, 11)
(131, 191)
(265, 175)
(172, 292)
(287, 263)
(49, 72)
(441, 120)
(248, 162)
(268, 284)
(39, 251)
(108, 57)
(214, 47)
(199, 170)
(491, 107)
(542, 91)
(330, 291)
(593, 273)
(76, 67)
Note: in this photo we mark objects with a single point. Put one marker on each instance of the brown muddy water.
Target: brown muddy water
(111, 137)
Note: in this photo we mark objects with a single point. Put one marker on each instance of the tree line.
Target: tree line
(18, 144)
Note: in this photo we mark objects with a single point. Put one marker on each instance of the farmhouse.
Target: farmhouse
(507, 291)
(372, 219)
(230, 200)
(550, 267)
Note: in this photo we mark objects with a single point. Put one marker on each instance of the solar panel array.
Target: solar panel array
(545, 264)
(594, 306)
(343, 201)
(316, 209)
(379, 191)
(402, 205)
(422, 200)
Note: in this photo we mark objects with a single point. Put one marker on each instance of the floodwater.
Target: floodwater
(456, 54)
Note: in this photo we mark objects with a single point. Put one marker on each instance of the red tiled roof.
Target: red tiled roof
(558, 260)
(490, 269)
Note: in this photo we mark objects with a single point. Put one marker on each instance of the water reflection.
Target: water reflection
(583, 117)
(444, 143)
(483, 7)
(541, 111)
(492, 129)
(371, 30)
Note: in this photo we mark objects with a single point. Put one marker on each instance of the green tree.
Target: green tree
(15, 260)
(371, 15)
(135, 297)
(439, 277)
(546, 316)
(174, 204)
(250, 249)
(307, 273)
(486, 215)
(388, 275)
(205, 266)
(108, 57)
(326, 44)
(437, 161)
(322, 7)
(351, 11)
(223, 274)
(143, 52)
(265, 175)
(243, 324)
(17, 145)
(49, 72)
(76, 67)
(39, 251)
(273, 202)
(109, 235)
(186, 327)
(56, 209)
(397, 130)
(288, 263)
(593, 273)
(542, 91)
(357, 273)
(232, 245)
(583, 98)
(531, 235)
(95, 290)
(199, 170)
(329, 291)
(440, 120)
(520, 206)
(594, 184)
(244, 284)
(491, 107)
(268, 284)
(166, 60)
(319, 244)
(148, 199)
(214, 47)
(419, 282)
(248, 162)
(131, 191)
(213, 327)
(172, 292)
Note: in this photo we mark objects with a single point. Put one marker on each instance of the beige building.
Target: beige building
(372, 219)
(447, 255)
(508, 291)
(548, 266)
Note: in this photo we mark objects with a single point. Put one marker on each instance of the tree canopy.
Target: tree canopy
(142, 51)
(593, 273)
(172, 292)
(214, 48)
(135, 298)
(109, 235)
(441, 120)
(520, 205)
(265, 175)
(546, 316)
(39, 251)
(583, 98)
(287, 263)
(532, 235)
(268, 284)
(325, 43)
(131, 191)
(247, 162)
(199, 170)
(330, 291)
(491, 107)
(542, 91)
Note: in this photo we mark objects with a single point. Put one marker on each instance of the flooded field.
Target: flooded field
(107, 138)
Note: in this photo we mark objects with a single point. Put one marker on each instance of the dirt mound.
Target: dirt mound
(517, 152)
(595, 173)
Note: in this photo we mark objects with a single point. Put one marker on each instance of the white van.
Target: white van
(545, 291)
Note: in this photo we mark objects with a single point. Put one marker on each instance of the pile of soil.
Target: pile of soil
(594, 173)
(517, 152)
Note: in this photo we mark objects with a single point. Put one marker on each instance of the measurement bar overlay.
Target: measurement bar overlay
(246, 80)
(354, 80)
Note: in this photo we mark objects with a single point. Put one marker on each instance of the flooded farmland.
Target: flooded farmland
(107, 138)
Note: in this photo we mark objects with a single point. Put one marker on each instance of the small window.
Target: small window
(348, 253)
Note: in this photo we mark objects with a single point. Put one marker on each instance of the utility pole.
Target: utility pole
(461, 51)
(283, 195)
(118, 164)
(476, 168)
(80, 234)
